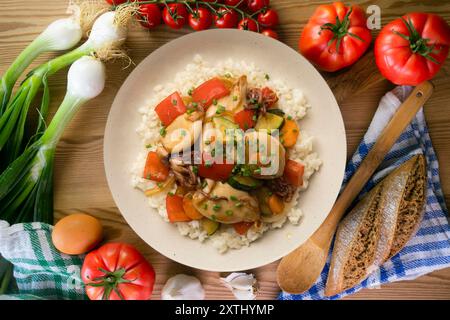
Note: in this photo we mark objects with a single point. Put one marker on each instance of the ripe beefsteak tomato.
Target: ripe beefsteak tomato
(117, 271)
(412, 49)
(335, 36)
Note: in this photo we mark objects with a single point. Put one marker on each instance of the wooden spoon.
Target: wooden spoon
(299, 270)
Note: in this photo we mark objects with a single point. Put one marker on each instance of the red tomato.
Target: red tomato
(412, 49)
(256, 5)
(200, 19)
(226, 18)
(245, 119)
(209, 91)
(293, 173)
(150, 14)
(116, 2)
(270, 33)
(175, 15)
(233, 3)
(335, 36)
(155, 169)
(268, 18)
(170, 108)
(242, 227)
(215, 171)
(248, 24)
(269, 97)
(117, 271)
(175, 210)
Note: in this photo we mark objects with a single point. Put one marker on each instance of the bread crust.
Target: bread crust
(379, 226)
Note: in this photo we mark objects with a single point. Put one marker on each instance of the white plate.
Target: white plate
(122, 144)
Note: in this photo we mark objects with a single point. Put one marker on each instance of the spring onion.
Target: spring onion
(108, 33)
(26, 186)
(60, 35)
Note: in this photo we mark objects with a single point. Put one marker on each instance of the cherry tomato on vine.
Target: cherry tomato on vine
(150, 15)
(235, 3)
(268, 18)
(175, 15)
(248, 24)
(270, 33)
(226, 18)
(116, 2)
(200, 19)
(255, 5)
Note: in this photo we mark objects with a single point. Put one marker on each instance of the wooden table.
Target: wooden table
(80, 183)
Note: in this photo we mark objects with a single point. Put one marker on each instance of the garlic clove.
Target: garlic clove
(244, 294)
(183, 287)
(242, 285)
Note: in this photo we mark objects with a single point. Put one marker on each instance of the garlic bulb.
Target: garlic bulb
(242, 285)
(183, 287)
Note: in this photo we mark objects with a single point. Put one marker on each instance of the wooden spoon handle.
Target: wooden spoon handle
(404, 115)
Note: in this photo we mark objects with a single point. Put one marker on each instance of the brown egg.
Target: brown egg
(77, 233)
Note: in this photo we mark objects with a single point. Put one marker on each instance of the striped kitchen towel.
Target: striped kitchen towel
(429, 249)
(40, 270)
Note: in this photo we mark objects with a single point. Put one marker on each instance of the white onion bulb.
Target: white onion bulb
(62, 34)
(86, 78)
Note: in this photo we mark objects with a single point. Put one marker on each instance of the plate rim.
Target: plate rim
(130, 77)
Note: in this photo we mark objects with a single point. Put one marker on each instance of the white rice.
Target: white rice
(291, 101)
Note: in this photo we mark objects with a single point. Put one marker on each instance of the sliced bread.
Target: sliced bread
(379, 226)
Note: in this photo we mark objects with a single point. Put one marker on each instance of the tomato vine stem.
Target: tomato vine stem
(213, 6)
(340, 30)
(416, 42)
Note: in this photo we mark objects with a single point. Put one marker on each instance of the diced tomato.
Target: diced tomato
(242, 227)
(209, 91)
(245, 119)
(155, 169)
(215, 171)
(293, 173)
(170, 108)
(174, 207)
(269, 97)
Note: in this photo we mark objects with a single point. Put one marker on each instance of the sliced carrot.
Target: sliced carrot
(289, 133)
(276, 205)
(293, 172)
(174, 207)
(242, 227)
(155, 169)
(189, 208)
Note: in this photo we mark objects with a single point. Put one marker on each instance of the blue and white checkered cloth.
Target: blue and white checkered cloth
(429, 249)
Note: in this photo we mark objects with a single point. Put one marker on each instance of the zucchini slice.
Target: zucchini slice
(278, 112)
(223, 123)
(244, 183)
(269, 121)
(210, 226)
(263, 194)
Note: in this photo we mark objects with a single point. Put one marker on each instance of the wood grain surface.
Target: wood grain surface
(80, 183)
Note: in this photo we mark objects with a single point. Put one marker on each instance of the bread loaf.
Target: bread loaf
(378, 226)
